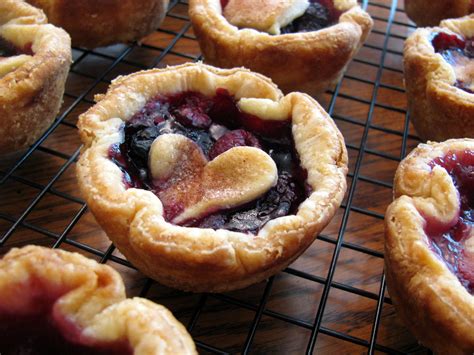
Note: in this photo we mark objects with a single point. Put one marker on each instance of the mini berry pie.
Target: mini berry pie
(439, 79)
(302, 45)
(431, 12)
(209, 179)
(57, 302)
(93, 23)
(429, 245)
(34, 62)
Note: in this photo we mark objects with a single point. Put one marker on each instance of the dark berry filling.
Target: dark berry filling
(458, 52)
(216, 124)
(8, 49)
(448, 240)
(320, 14)
(37, 335)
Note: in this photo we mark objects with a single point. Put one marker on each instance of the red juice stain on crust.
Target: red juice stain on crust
(224, 3)
(39, 334)
(42, 329)
(448, 240)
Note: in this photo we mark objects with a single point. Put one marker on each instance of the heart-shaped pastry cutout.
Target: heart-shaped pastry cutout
(191, 187)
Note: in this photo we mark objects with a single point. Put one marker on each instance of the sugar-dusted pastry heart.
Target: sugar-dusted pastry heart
(57, 302)
(209, 179)
(200, 187)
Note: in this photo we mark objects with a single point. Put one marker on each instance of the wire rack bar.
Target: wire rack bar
(260, 307)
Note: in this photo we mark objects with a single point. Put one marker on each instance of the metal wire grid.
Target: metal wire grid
(120, 56)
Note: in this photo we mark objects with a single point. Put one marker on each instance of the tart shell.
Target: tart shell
(309, 62)
(31, 95)
(93, 23)
(431, 12)
(89, 298)
(197, 259)
(428, 297)
(438, 109)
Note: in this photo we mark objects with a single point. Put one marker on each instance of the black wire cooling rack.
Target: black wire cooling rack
(331, 299)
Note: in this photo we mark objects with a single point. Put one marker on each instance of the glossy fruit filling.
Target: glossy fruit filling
(216, 124)
(36, 335)
(320, 14)
(450, 241)
(459, 53)
(8, 49)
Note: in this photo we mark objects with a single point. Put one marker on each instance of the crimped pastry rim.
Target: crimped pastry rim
(31, 93)
(91, 297)
(308, 62)
(430, 299)
(420, 10)
(237, 258)
(51, 46)
(92, 24)
(442, 79)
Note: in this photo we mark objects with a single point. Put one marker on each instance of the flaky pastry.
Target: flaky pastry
(34, 62)
(308, 61)
(85, 303)
(439, 79)
(95, 23)
(154, 229)
(429, 245)
(264, 15)
(431, 12)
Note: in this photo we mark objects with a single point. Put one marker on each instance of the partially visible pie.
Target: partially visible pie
(34, 62)
(439, 79)
(429, 245)
(209, 179)
(431, 12)
(95, 23)
(56, 302)
(301, 45)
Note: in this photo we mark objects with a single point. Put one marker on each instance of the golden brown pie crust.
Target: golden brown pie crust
(431, 12)
(95, 23)
(205, 259)
(264, 15)
(92, 297)
(31, 94)
(307, 62)
(429, 298)
(438, 109)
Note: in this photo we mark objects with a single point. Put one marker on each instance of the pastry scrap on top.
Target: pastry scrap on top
(431, 12)
(34, 62)
(209, 179)
(302, 45)
(93, 23)
(57, 302)
(439, 79)
(429, 245)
